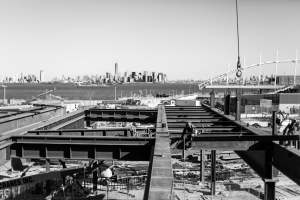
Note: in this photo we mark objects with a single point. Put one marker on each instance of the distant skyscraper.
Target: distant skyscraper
(116, 69)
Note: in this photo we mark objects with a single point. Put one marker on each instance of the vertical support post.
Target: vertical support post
(224, 98)
(48, 184)
(268, 177)
(238, 105)
(183, 149)
(95, 180)
(269, 189)
(47, 165)
(213, 172)
(227, 104)
(212, 99)
(274, 125)
(4, 94)
(202, 167)
(87, 122)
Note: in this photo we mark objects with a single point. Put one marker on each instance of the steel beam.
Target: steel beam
(89, 132)
(124, 115)
(287, 160)
(234, 141)
(187, 117)
(82, 147)
(213, 173)
(180, 113)
(202, 165)
(160, 176)
(199, 122)
(77, 115)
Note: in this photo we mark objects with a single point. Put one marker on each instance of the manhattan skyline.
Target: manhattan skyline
(185, 39)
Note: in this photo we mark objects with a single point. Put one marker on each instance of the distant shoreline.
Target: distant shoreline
(70, 91)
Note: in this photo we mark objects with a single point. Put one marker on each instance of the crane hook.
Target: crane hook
(239, 68)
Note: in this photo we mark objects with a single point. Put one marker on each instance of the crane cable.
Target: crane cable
(239, 70)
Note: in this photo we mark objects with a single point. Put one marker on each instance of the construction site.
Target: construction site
(178, 151)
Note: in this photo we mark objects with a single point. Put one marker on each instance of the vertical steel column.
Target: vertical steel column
(227, 104)
(202, 167)
(212, 99)
(213, 172)
(95, 180)
(47, 165)
(274, 125)
(268, 179)
(87, 122)
(269, 189)
(183, 149)
(225, 93)
(238, 105)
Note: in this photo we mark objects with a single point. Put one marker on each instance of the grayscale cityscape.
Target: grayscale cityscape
(149, 99)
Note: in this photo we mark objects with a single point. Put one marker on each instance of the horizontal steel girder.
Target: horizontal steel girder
(234, 137)
(256, 160)
(160, 176)
(176, 133)
(284, 159)
(188, 113)
(208, 117)
(89, 132)
(209, 128)
(234, 141)
(121, 115)
(77, 115)
(82, 147)
(287, 160)
(100, 110)
(183, 120)
(203, 124)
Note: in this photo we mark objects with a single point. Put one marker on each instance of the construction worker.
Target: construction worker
(187, 134)
(290, 129)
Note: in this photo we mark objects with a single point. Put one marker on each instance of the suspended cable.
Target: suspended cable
(239, 71)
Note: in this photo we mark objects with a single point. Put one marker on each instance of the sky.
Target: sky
(186, 39)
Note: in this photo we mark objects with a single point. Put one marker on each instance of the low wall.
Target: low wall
(29, 118)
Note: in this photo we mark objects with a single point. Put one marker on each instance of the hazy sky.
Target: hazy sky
(183, 38)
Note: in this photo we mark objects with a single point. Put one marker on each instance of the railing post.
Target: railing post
(202, 167)
(213, 172)
(212, 99)
(274, 125)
